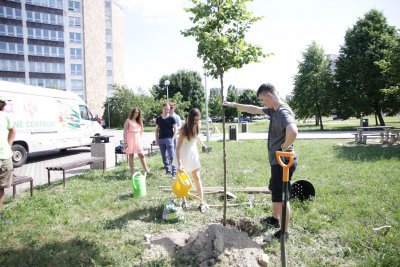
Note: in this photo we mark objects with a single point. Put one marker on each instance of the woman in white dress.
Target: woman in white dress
(187, 155)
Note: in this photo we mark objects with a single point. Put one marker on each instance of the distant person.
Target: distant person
(133, 131)
(165, 135)
(172, 109)
(7, 136)
(281, 135)
(187, 155)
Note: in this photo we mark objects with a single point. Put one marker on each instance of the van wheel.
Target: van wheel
(19, 156)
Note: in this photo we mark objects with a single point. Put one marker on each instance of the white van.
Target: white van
(47, 119)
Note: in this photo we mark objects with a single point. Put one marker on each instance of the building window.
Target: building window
(46, 18)
(75, 22)
(75, 37)
(46, 3)
(76, 85)
(76, 69)
(109, 58)
(49, 83)
(11, 48)
(109, 72)
(11, 30)
(9, 12)
(74, 5)
(12, 65)
(76, 53)
(108, 45)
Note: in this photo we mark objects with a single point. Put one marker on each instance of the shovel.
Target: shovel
(285, 192)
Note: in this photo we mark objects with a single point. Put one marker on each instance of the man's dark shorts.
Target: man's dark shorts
(276, 184)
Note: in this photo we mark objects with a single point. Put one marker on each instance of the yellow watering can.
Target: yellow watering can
(182, 185)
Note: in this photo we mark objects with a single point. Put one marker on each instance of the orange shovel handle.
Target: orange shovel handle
(285, 167)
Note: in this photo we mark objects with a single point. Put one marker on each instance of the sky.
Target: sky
(154, 46)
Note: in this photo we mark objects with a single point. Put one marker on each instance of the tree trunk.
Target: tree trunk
(316, 120)
(378, 112)
(381, 121)
(320, 118)
(221, 77)
(321, 125)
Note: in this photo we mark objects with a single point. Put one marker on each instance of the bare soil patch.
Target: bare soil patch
(214, 243)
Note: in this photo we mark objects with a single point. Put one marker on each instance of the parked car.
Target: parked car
(101, 122)
(244, 119)
(258, 117)
(219, 119)
(204, 120)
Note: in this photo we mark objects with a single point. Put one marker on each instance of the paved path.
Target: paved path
(37, 163)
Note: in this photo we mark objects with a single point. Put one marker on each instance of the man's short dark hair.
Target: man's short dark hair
(266, 88)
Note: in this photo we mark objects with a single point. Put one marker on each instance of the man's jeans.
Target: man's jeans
(167, 152)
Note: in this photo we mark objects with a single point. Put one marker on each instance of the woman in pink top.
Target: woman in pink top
(133, 130)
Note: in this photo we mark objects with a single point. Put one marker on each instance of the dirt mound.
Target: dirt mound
(209, 245)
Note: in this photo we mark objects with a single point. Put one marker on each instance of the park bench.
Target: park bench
(149, 151)
(73, 165)
(384, 138)
(20, 180)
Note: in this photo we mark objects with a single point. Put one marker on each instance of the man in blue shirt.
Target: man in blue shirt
(165, 134)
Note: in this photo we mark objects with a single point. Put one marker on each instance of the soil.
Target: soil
(212, 244)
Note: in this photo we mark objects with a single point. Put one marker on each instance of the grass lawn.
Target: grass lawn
(95, 221)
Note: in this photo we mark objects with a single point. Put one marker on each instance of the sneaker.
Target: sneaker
(277, 235)
(203, 208)
(167, 173)
(270, 221)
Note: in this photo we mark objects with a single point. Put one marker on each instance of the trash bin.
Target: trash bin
(101, 147)
(364, 122)
(233, 132)
(245, 126)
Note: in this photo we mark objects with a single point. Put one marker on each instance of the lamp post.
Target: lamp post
(108, 112)
(166, 83)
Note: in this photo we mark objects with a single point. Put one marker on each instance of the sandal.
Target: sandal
(203, 208)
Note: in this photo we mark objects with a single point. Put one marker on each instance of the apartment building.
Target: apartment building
(73, 45)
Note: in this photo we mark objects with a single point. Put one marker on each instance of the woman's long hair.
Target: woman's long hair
(190, 129)
(139, 118)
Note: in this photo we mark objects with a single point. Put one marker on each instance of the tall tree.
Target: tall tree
(187, 83)
(312, 91)
(392, 69)
(219, 28)
(124, 99)
(214, 102)
(249, 96)
(361, 74)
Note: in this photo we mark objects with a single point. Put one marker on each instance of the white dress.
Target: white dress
(189, 155)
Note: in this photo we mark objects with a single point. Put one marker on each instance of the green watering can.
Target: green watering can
(139, 184)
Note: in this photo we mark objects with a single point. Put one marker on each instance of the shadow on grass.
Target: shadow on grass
(75, 252)
(367, 152)
(148, 214)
